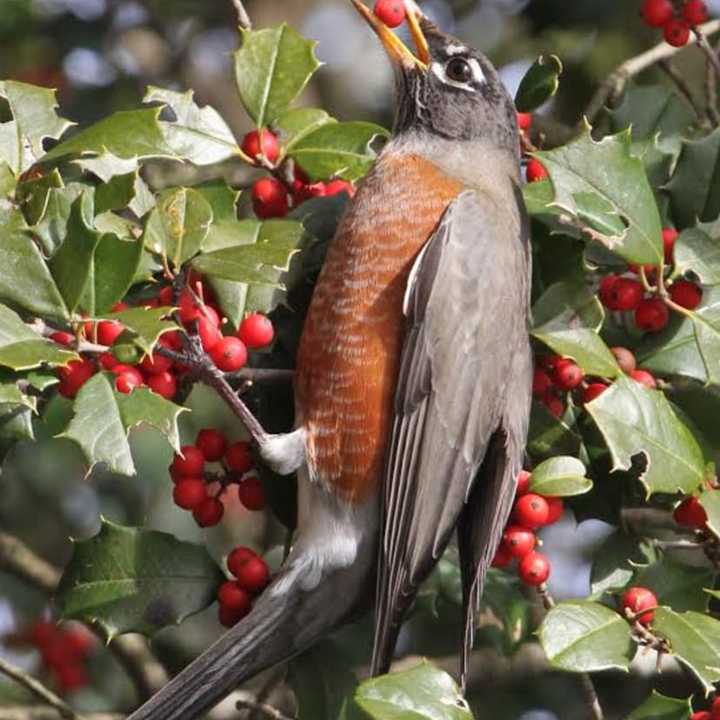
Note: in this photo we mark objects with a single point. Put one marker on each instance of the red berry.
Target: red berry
(568, 375)
(232, 596)
(79, 640)
(108, 361)
(122, 368)
(702, 715)
(256, 331)
(606, 291)
(644, 378)
(229, 354)
(523, 483)
(669, 236)
(518, 540)
(541, 383)
(686, 294)
(303, 191)
(229, 617)
(251, 494)
(238, 557)
(63, 338)
(270, 198)
(154, 364)
(657, 12)
(209, 512)
(555, 509)
(171, 340)
(554, 404)
(676, 32)
(190, 308)
(211, 443)
(337, 186)
(119, 307)
(502, 557)
(652, 315)
(165, 296)
(71, 676)
(715, 709)
(695, 12)
(74, 375)
(126, 382)
(534, 569)
(626, 294)
(524, 121)
(238, 457)
(268, 146)
(108, 331)
(253, 575)
(637, 599)
(625, 359)
(535, 171)
(43, 633)
(164, 384)
(391, 12)
(190, 461)
(531, 510)
(690, 513)
(189, 493)
(593, 391)
(209, 333)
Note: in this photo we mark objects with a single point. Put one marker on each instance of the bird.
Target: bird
(413, 377)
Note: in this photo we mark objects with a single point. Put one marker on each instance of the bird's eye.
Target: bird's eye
(459, 70)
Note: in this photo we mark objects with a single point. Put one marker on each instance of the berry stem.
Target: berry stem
(243, 18)
(705, 46)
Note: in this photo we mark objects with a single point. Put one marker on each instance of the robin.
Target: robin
(413, 378)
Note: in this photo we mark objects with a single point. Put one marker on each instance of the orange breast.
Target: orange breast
(350, 348)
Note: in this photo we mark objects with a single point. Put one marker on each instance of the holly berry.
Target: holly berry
(337, 186)
(676, 32)
(568, 375)
(523, 483)
(255, 144)
(71, 677)
(229, 354)
(270, 198)
(556, 507)
(625, 359)
(127, 381)
(189, 493)
(253, 575)
(238, 557)
(644, 378)
(524, 121)
(209, 512)
(593, 391)
(63, 338)
(686, 294)
(74, 375)
(553, 403)
(535, 171)
(108, 331)
(606, 291)
(233, 597)
(715, 708)
(78, 640)
(626, 294)
(702, 715)
(695, 12)
(211, 443)
(209, 332)
(518, 540)
(502, 557)
(657, 12)
(154, 364)
(165, 296)
(669, 236)
(637, 599)
(238, 457)
(256, 331)
(534, 569)
(690, 513)
(391, 12)
(251, 494)
(164, 384)
(532, 511)
(541, 383)
(229, 617)
(652, 315)
(190, 461)
(42, 633)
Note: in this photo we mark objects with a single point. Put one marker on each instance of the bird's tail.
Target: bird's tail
(286, 620)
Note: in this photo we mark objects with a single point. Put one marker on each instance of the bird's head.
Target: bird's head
(446, 89)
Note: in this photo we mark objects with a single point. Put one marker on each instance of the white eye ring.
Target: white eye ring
(478, 76)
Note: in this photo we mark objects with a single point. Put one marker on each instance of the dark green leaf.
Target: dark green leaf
(584, 346)
(612, 569)
(660, 707)
(115, 264)
(540, 83)
(568, 304)
(698, 252)
(145, 325)
(560, 477)
(294, 125)
(549, 435)
(676, 585)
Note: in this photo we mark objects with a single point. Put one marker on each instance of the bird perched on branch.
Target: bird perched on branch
(413, 377)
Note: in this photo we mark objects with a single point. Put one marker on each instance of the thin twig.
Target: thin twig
(19, 560)
(268, 375)
(669, 69)
(37, 689)
(705, 46)
(263, 708)
(243, 17)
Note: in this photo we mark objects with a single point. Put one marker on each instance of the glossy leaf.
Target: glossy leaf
(146, 325)
(612, 569)
(294, 125)
(584, 346)
(560, 477)
(698, 252)
(676, 585)
(132, 580)
(568, 304)
(661, 707)
(539, 84)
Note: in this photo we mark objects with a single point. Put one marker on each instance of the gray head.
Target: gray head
(448, 90)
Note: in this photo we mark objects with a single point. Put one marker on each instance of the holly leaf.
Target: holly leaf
(539, 84)
(560, 477)
(272, 68)
(179, 224)
(612, 567)
(35, 119)
(337, 149)
(294, 125)
(51, 228)
(584, 346)
(694, 640)
(197, 134)
(699, 253)
(144, 326)
(133, 580)
(602, 184)
(710, 500)
(23, 349)
(661, 707)
(549, 435)
(568, 304)
(634, 421)
(584, 636)
(676, 585)
(107, 165)
(421, 693)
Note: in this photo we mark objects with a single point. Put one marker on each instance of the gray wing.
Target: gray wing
(466, 308)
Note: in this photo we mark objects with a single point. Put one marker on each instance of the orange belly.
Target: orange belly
(350, 349)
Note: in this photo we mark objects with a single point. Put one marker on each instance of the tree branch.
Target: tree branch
(243, 17)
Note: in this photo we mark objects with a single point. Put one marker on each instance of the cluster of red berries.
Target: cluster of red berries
(712, 714)
(200, 491)
(530, 512)
(555, 376)
(64, 651)
(196, 309)
(675, 18)
(534, 169)
(273, 197)
(236, 596)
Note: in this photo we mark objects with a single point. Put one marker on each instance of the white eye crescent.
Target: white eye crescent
(460, 72)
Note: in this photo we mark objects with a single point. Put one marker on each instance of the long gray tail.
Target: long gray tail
(285, 621)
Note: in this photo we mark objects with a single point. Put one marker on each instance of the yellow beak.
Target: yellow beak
(397, 50)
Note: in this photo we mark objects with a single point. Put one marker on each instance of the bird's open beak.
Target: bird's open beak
(398, 52)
